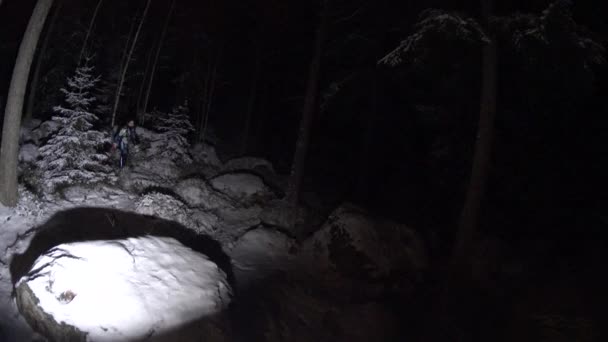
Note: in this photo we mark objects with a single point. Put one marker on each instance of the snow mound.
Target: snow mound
(260, 167)
(146, 172)
(198, 193)
(261, 253)
(206, 155)
(166, 207)
(248, 163)
(27, 126)
(356, 245)
(44, 132)
(28, 153)
(244, 187)
(127, 289)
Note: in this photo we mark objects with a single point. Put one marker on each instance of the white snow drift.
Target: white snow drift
(128, 289)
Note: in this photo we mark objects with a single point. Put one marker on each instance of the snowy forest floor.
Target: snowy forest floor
(236, 203)
(344, 276)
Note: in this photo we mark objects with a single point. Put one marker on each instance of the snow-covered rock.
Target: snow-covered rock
(28, 153)
(97, 194)
(166, 207)
(260, 167)
(234, 222)
(198, 193)
(278, 213)
(206, 155)
(243, 187)
(247, 163)
(355, 245)
(144, 173)
(260, 253)
(45, 131)
(25, 135)
(129, 289)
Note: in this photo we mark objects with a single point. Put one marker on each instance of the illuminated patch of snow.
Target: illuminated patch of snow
(128, 289)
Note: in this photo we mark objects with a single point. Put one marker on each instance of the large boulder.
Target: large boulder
(28, 153)
(234, 216)
(352, 244)
(261, 253)
(146, 173)
(25, 135)
(169, 208)
(44, 132)
(96, 195)
(261, 167)
(242, 187)
(247, 163)
(205, 154)
(199, 194)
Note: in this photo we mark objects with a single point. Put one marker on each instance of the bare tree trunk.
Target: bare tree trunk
(211, 91)
(252, 99)
(263, 117)
(310, 101)
(206, 83)
(126, 66)
(12, 115)
(156, 57)
(29, 108)
(139, 104)
(483, 145)
(86, 38)
(368, 139)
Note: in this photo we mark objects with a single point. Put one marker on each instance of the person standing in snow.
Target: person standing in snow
(123, 138)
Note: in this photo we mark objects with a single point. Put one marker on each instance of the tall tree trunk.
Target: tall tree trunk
(368, 120)
(12, 115)
(126, 66)
(140, 93)
(210, 92)
(263, 116)
(469, 218)
(156, 57)
(253, 91)
(29, 107)
(206, 83)
(310, 102)
(91, 24)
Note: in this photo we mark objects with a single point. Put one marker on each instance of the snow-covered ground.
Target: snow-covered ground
(134, 286)
(157, 283)
(15, 233)
(139, 274)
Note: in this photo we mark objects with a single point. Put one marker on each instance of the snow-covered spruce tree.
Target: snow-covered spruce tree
(436, 28)
(174, 129)
(73, 155)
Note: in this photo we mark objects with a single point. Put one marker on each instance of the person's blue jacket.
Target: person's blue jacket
(124, 136)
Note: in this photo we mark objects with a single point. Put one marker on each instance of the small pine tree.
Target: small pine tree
(72, 155)
(175, 128)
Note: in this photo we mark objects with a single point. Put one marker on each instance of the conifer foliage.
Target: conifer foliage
(175, 128)
(74, 155)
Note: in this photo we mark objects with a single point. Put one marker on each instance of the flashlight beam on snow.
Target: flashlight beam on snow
(125, 289)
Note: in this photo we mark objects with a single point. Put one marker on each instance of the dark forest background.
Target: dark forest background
(398, 140)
